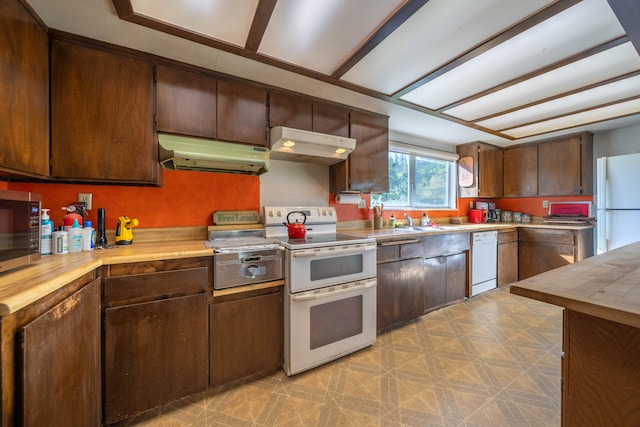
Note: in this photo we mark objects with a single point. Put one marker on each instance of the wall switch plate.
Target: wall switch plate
(545, 203)
(85, 198)
(362, 204)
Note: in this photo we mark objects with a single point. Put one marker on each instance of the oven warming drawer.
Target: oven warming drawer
(232, 269)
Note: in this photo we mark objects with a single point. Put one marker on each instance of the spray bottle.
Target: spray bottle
(46, 233)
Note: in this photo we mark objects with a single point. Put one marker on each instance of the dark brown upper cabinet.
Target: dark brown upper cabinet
(24, 77)
(485, 162)
(101, 116)
(565, 166)
(367, 167)
(292, 111)
(521, 171)
(186, 102)
(331, 119)
(300, 112)
(242, 113)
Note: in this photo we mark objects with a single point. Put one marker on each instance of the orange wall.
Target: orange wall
(190, 198)
(185, 199)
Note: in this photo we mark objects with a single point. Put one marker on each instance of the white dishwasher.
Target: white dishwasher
(484, 261)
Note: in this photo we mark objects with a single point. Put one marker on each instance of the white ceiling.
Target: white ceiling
(445, 71)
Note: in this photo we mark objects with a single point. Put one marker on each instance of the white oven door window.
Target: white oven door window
(328, 323)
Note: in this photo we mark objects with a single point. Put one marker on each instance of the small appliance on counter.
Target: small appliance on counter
(124, 232)
(21, 236)
(570, 213)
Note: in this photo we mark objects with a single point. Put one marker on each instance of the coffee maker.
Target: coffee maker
(493, 214)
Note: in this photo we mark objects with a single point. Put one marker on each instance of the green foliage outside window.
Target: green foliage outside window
(418, 182)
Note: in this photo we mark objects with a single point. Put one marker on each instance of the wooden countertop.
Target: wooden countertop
(605, 286)
(21, 287)
(403, 232)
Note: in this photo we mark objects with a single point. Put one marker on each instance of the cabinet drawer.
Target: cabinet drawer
(399, 249)
(556, 237)
(445, 244)
(507, 236)
(158, 285)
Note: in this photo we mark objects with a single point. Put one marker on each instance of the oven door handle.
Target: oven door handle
(319, 253)
(311, 297)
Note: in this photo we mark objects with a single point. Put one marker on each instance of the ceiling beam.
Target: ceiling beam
(566, 61)
(511, 32)
(259, 24)
(398, 18)
(628, 13)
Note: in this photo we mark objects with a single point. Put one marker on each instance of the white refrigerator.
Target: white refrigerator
(617, 201)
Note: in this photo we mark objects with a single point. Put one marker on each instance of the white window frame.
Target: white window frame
(428, 153)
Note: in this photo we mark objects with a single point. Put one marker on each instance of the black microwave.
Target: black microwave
(19, 229)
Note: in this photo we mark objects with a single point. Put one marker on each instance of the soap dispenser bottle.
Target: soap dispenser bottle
(425, 220)
(46, 233)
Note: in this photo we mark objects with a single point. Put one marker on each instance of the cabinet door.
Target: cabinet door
(560, 168)
(367, 168)
(242, 113)
(24, 77)
(400, 295)
(186, 102)
(330, 119)
(246, 337)
(535, 258)
(102, 116)
(61, 363)
(290, 111)
(456, 277)
(507, 263)
(521, 171)
(435, 283)
(155, 352)
(490, 165)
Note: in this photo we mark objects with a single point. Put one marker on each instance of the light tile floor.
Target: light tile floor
(493, 360)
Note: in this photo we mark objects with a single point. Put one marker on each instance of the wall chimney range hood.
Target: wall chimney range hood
(311, 147)
(197, 154)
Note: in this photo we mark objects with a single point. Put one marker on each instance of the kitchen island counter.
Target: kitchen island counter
(605, 286)
(600, 336)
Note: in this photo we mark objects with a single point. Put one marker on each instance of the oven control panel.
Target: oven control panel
(276, 215)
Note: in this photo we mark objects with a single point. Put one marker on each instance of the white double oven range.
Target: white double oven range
(330, 287)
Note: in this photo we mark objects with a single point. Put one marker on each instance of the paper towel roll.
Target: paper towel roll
(347, 199)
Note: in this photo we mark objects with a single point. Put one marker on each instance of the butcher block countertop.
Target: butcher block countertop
(24, 286)
(605, 286)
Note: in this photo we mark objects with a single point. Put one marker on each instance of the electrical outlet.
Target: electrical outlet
(545, 203)
(85, 198)
(362, 204)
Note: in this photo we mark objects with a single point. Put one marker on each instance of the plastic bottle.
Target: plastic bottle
(425, 220)
(87, 236)
(75, 238)
(46, 232)
(60, 242)
(392, 221)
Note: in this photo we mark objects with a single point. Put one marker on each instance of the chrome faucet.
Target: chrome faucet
(409, 220)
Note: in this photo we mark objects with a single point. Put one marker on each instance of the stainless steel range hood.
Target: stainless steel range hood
(311, 147)
(196, 154)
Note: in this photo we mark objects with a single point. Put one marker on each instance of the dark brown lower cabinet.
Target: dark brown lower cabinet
(507, 257)
(400, 292)
(61, 363)
(543, 249)
(600, 372)
(246, 335)
(155, 352)
(445, 280)
(156, 334)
